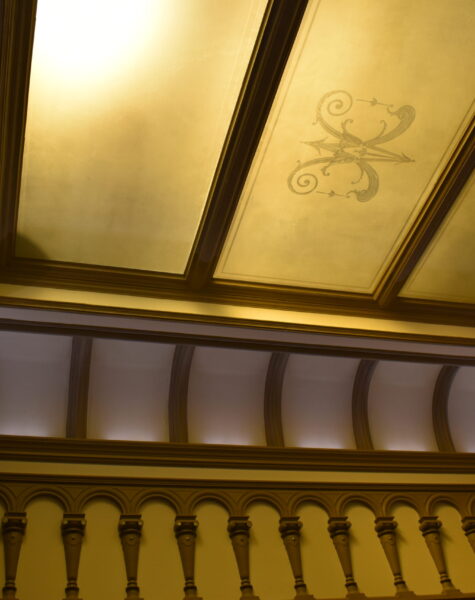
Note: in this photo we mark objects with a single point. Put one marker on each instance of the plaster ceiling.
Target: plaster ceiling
(354, 143)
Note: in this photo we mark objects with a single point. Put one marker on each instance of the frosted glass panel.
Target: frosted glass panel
(130, 102)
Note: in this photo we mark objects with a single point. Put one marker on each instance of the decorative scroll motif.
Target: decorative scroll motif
(385, 528)
(185, 532)
(72, 530)
(468, 525)
(430, 530)
(238, 529)
(130, 531)
(348, 144)
(289, 528)
(13, 530)
(338, 527)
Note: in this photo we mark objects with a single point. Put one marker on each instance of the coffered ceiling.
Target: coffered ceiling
(290, 164)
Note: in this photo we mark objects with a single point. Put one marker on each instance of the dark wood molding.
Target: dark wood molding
(58, 450)
(178, 394)
(440, 415)
(78, 395)
(17, 21)
(273, 399)
(361, 428)
(276, 38)
(442, 198)
(223, 341)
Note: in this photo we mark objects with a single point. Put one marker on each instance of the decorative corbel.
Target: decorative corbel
(72, 531)
(429, 527)
(238, 529)
(289, 528)
(130, 531)
(468, 525)
(13, 530)
(385, 528)
(338, 528)
(185, 533)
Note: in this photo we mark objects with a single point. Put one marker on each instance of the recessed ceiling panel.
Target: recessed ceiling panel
(374, 99)
(446, 270)
(130, 102)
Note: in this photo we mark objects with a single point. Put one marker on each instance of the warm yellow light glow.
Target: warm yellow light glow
(97, 39)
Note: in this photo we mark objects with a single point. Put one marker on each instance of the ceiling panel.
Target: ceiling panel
(129, 105)
(446, 270)
(354, 142)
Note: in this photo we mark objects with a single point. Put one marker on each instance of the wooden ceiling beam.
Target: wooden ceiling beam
(17, 24)
(273, 399)
(440, 408)
(275, 41)
(178, 393)
(430, 218)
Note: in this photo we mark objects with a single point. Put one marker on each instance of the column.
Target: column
(238, 529)
(468, 525)
(289, 529)
(338, 528)
(385, 528)
(72, 531)
(429, 527)
(130, 531)
(185, 533)
(13, 530)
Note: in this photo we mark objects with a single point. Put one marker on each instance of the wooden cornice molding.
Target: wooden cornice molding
(58, 450)
(442, 198)
(361, 428)
(273, 399)
(17, 22)
(440, 401)
(178, 394)
(78, 394)
(223, 341)
(280, 26)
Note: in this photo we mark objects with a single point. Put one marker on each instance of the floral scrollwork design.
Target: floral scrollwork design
(346, 143)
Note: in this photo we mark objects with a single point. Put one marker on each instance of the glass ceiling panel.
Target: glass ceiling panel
(446, 270)
(129, 105)
(374, 99)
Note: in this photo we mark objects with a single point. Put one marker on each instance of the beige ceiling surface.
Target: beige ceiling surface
(128, 112)
(447, 269)
(372, 103)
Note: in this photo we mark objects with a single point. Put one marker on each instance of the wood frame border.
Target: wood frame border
(108, 452)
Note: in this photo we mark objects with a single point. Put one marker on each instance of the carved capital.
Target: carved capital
(339, 527)
(72, 531)
(185, 533)
(13, 530)
(289, 528)
(238, 529)
(468, 525)
(386, 527)
(429, 527)
(130, 530)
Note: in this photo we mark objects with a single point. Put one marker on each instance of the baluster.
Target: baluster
(238, 529)
(72, 530)
(338, 528)
(13, 530)
(385, 528)
(468, 525)
(289, 528)
(130, 531)
(429, 527)
(185, 533)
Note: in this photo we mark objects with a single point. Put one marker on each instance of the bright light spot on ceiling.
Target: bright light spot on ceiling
(83, 42)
